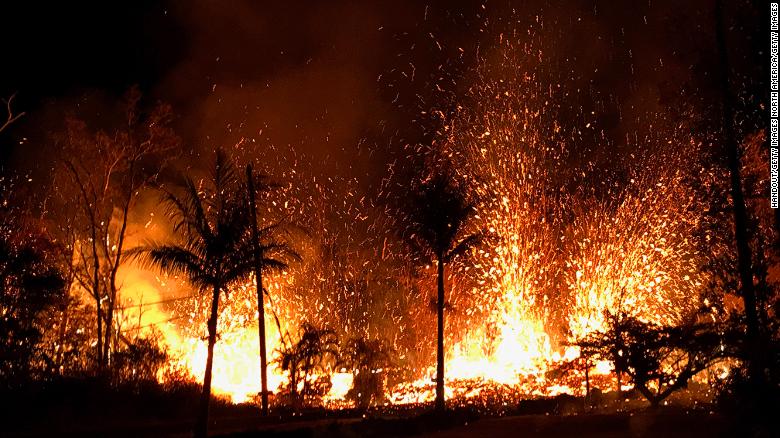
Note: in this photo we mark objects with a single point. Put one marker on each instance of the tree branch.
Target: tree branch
(10, 118)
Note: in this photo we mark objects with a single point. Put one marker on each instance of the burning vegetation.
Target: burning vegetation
(515, 255)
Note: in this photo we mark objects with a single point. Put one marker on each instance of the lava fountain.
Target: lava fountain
(560, 254)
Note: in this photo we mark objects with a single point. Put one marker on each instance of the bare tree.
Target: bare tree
(105, 172)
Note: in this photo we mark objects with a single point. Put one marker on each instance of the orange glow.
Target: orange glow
(559, 257)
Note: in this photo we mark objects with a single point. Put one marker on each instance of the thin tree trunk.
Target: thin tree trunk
(61, 337)
(617, 321)
(587, 381)
(294, 385)
(202, 422)
(259, 287)
(113, 289)
(744, 256)
(107, 331)
(96, 291)
(305, 389)
(90, 213)
(654, 399)
(440, 337)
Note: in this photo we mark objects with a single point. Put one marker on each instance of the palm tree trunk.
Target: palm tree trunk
(201, 426)
(259, 287)
(263, 352)
(440, 337)
(744, 256)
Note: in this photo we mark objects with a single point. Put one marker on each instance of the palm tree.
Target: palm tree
(268, 255)
(214, 240)
(315, 352)
(437, 212)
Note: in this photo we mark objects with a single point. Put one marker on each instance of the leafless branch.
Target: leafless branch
(11, 117)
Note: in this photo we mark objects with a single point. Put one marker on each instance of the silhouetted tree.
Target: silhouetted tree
(104, 172)
(741, 226)
(213, 250)
(138, 362)
(315, 352)
(437, 213)
(368, 360)
(754, 401)
(269, 254)
(658, 360)
(30, 285)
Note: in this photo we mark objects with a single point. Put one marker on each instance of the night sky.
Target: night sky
(344, 82)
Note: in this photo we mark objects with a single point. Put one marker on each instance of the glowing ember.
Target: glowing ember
(560, 257)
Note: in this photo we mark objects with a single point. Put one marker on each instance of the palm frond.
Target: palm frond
(464, 245)
(173, 259)
(436, 211)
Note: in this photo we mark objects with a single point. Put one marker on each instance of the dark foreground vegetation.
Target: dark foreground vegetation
(90, 406)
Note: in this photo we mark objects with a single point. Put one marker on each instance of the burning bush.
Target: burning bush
(657, 360)
(368, 360)
(139, 362)
(308, 363)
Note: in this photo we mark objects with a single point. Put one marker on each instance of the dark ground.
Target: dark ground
(665, 425)
(452, 425)
(84, 408)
